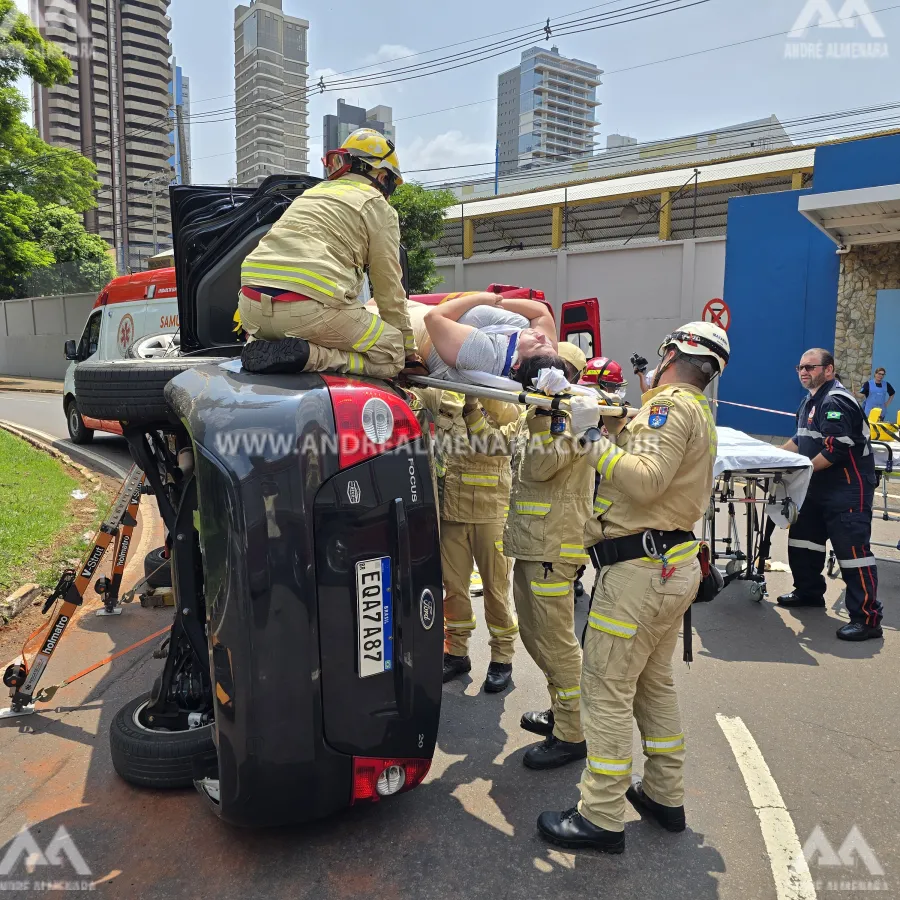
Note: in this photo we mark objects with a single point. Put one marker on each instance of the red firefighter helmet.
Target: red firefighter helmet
(605, 373)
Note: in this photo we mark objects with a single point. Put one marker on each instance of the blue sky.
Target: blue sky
(657, 101)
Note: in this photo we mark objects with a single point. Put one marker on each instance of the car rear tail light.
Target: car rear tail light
(369, 420)
(376, 778)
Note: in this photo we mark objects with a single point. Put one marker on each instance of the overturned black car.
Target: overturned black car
(303, 670)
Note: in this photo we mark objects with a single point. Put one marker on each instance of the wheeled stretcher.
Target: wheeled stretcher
(771, 485)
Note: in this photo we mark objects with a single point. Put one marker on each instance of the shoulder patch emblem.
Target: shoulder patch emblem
(812, 412)
(659, 412)
(832, 415)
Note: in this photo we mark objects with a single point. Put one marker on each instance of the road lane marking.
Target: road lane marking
(14, 398)
(789, 867)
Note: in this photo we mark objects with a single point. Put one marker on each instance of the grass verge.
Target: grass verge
(41, 523)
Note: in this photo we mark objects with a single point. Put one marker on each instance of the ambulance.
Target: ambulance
(128, 308)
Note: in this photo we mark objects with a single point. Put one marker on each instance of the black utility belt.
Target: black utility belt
(651, 543)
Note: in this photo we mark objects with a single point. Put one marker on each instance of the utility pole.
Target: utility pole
(156, 184)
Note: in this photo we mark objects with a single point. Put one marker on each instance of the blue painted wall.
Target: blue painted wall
(886, 350)
(781, 279)
(857, 164)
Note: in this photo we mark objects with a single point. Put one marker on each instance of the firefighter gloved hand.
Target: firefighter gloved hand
(584, 414)
(415, 365)
(639, 363)
(551, 382)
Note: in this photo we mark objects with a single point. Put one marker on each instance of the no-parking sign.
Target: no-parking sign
(717, 312)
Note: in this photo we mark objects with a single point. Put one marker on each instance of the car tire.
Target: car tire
(79, 433)
(157, 759)
(130, 390)
(158, 568)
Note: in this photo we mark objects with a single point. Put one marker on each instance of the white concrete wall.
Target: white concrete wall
(645, 291)
(33, 332)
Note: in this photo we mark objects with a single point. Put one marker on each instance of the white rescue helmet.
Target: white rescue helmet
(700, 339)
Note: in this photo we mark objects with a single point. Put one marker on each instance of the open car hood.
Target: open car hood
(214, 228)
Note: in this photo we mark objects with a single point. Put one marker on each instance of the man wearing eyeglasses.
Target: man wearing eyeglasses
(833, 433)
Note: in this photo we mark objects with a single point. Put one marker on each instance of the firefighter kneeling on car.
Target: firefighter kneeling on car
(300, 287)
(656, 476)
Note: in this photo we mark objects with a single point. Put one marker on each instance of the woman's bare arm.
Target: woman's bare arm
(446, 333)
(539, 317)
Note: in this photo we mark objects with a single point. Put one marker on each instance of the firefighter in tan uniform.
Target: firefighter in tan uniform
(549, 504)
(473, 512)
(301, 283)
(656, 476)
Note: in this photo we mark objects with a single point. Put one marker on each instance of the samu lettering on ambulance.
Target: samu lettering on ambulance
(169, 322)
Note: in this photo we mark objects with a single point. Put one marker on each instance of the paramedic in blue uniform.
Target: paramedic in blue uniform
(832, 432)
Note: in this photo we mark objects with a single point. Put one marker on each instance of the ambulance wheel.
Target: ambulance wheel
(158, 568)
(156, 758)
(78, 431)
(130, 390)
(155, 346)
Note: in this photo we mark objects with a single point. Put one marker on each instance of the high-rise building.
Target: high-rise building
(381, 118)
(115, 111)
(270, 74)
(337, 128)
(180, 135)
(545, 110)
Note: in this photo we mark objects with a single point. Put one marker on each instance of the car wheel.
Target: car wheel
(78, 431)
(155, 346)
(129, 390)
(155, 758)
(158, 568)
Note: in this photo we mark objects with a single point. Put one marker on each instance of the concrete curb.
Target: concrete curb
(18, 600)
(30, 389)
(65, 451)
(49, 448)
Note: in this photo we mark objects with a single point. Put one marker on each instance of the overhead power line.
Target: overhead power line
(563, 26)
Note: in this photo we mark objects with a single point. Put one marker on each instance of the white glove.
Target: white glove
(584, 413)
(551, 382)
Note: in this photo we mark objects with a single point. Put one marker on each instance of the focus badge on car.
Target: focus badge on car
(427, 609)
(354, 493)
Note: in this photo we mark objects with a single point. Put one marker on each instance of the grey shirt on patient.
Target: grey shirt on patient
(482, 351)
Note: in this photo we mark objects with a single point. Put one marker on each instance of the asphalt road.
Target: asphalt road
(44, 412)
(817, 720)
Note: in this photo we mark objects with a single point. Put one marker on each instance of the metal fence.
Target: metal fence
(79, 277)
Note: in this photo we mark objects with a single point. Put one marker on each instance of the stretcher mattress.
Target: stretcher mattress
(740, 454)
(880, 451)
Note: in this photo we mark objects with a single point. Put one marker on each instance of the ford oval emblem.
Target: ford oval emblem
(427, 609)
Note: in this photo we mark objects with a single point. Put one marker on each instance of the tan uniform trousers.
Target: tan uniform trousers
(348, 339)
(462, 542)
(633, 629)
(545, 604)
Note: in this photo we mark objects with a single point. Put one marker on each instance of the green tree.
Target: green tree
(20, 253)
(421, 215)
(37, 180)
(82, 260)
